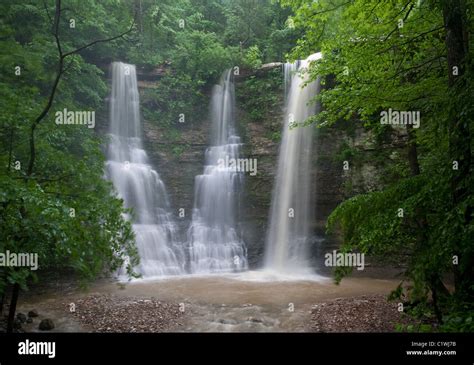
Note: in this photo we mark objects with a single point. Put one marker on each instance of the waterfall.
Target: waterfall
(214, 242)
(288, 235)
(137, 183)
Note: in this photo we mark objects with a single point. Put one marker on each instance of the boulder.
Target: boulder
(46, 324)
(21, 317)
(33, 313)
(17, 324)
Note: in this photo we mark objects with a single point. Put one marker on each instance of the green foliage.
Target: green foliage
(178, 150)
(64, 211)
(201, 56)
(259, 95)
(459, 321)
(197, 41)
(174, 96)
(414, 328)
(173, 135)
(345, 153)
(253, 58)
(275, 136)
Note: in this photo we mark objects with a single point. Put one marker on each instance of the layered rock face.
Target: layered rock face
(181, 157)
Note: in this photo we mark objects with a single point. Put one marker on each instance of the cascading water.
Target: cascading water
(287, 248)
(137, 183)
(214, 242)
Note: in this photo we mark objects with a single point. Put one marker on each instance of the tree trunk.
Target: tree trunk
(2, 300)
(412, 152)
(12, 310)
(3, 297)
(438, 290)
(454, 14)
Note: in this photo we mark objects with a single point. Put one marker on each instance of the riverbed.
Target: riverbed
(252, 301)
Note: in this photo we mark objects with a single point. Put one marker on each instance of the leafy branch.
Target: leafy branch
(59, 73)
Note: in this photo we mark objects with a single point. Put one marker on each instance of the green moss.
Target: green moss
(260, 95)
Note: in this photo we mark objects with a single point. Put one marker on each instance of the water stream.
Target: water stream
(137, 183)
(214, 241)
(289, 232)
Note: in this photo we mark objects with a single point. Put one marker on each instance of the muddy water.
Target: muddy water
(249, 302)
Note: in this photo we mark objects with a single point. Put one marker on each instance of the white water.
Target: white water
(137, 183)
(214, 242)
(288, 235)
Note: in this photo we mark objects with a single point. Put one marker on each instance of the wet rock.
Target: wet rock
(29, 320)
(33, 313)
(21, 317)
(3, 326)
(17, 324)
(227, 321)
(46, 324)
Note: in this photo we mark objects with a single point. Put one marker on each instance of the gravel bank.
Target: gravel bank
(369, 313)
(110, 313)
